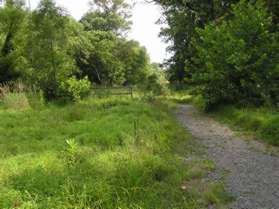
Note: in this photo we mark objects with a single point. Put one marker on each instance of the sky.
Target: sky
(144, 29)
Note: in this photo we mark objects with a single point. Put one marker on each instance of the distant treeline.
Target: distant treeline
(51, 50)
(227, 49)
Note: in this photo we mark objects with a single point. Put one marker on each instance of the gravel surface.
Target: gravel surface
(251, 175)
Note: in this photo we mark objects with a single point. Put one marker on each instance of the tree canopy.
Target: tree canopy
(226, 49)
(49, 49)
(183, 17)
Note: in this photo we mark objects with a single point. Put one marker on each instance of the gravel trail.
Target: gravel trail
(250, 173)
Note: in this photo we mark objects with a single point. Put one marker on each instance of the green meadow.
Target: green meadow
(100, 153)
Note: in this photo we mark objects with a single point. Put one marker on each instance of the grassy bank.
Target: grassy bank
(263, 123)
(101, 153)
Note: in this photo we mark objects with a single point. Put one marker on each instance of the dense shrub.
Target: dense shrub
(237, 60)
(200, 103)
(155, 82)
(74, 89)
(48, 48)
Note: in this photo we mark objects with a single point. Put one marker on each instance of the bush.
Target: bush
(74, 89)
(156, 82)
(200, 103)
(236, 60)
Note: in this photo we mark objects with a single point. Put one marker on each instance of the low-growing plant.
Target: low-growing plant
(16, 101)
(72, 153)
(270, 130)
(75, 89)
(13, 95)
(36, 99)
(216, 194)
(261, 123)
(200, 103)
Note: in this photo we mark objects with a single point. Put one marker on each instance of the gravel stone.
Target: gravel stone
(251, 174)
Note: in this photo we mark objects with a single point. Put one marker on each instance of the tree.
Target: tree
(155, 82)
(107, 59)
(135, 59)
(12, 22)
(47, 48)
(183, 17)
(108, 15)
(96, 57)
(104, 55)
(237, 60)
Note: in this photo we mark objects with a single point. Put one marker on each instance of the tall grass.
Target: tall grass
(263, 122)
(18, 96)
(91, 155)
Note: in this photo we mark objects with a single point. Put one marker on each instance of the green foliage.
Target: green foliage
(12, 22)
(270, 130)
(75, 89)
(200, 103)
(237, 60)
(108, 60)
(103, 54)
(47, 48)
(183, 17)
(72, 153)
(273, 6)
(97, 58)
(108, 15)
(101, 165)
(216, 194)
(136, 61)
(155, 83)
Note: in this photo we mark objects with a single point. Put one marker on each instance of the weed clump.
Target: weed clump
(16, 101)
(270, 130)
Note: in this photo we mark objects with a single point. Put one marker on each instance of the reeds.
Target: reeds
(13, 95)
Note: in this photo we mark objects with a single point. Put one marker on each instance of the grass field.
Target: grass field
(101, 154)
(263, 122)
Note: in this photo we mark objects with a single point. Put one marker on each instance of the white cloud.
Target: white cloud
(145, 30)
